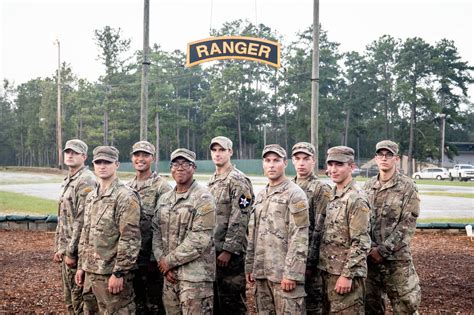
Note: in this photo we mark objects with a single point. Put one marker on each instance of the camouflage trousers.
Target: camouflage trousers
(188, 298)
(72, 292)
(347, 304)
(399, 280)
(148, 287)
(314, 292)
(229, 288)
(270, 299)
(108, 303)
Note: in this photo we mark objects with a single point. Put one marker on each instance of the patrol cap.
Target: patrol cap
(106, 153)
(275, 148)
(303, 147)
(184, 153)
(77, 146)
(224, 142)
(143, 146)
(340, 154)
(387, 145)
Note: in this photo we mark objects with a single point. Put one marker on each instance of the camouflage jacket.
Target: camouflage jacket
(395, 208)
(278, 234)
(345, 239)
(74, 190)
(234, 197)
(110, 239)
(149, 192)
(318, 195)
(183, 233)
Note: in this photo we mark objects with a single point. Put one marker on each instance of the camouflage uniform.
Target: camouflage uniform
(278, 248)
(395, 208)
(74, 190)
(148, 281)
(183, 227)
(344, 246)
(110, 242)
(318, 195)
(234, 196)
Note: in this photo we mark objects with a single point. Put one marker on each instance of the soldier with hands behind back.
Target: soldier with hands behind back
(183, 240)
(345, 238)
(74, 189)
(318, 194)
(234, 197)
(278, 240)
(110, 240)
(148, 280)
(395, 207)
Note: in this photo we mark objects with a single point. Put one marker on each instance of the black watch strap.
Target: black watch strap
(118, 274)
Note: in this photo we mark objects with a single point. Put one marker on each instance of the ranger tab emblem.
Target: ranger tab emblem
(244, 202)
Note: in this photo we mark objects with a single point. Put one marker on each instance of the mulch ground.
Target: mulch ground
(30, 281)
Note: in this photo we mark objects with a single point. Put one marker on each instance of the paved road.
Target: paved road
(431, 206)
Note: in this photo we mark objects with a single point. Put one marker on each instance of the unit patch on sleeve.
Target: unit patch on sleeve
(244, 201)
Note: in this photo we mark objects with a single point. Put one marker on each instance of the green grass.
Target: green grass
(446, 220)
(455, 183)
(448, 194)
(14, 203)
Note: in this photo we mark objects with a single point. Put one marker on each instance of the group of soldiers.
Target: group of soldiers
(299, 247)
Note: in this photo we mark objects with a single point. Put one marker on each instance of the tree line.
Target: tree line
(394, 89)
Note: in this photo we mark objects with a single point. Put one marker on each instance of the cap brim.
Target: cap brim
(104, 158)
(385, 148)
(141, 150)
(182, 156)
(75, 149)
(302, 151)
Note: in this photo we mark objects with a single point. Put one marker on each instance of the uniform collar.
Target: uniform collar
(224, 175)
(185, 195)
(109, 190)
(78, 173)
(148, 182)
(391, 182)
(335, 194)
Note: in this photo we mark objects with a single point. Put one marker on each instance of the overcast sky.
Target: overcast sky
(29, 28)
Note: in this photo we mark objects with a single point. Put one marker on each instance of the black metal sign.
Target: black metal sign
(233, 47)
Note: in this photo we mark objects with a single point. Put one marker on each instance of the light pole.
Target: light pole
(58, 118)
(443, 124)
(315, 83)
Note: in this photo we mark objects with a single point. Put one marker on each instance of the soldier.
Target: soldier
(183, 241)
(318, 195)
(110, 240)
(345, 238)
(74, 189)
(234, 196)
(395, 205)
(148, 280)
(278, 240)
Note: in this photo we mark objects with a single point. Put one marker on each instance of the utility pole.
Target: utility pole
(315, 83)
(58, 118)
(145, 65)
(443, 126)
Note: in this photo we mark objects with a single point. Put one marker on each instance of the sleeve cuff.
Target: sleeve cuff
(384, 252)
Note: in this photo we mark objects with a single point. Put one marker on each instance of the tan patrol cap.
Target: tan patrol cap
(387, 145)
(106, 153)
(275, 148)
(184, 153)
(303, 147)
(143, 146)
(77, 146)
(340, 154)
(224, 142)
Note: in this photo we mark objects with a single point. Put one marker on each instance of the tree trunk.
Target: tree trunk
(346, 126)
(411, 139)
(239, 131)
(106, 127)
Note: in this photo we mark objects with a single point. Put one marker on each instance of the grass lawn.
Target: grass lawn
(14, 203)
(448, 194)
(446, 220)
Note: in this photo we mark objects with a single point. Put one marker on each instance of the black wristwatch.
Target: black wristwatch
(118, 274)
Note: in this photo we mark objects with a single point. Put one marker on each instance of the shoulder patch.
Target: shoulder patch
(300, 205)
(87, 190)
(245, 201)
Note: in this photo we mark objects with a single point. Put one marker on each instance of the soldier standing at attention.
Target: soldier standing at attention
(395, 205)
(345, 238)
(278, 240)
(74, 189)
(148, 280)
(110, 240)
(183, 240)
(233, 193)
(318, 195)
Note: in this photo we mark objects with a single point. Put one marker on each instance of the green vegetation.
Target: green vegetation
(446, 220)
(14, 203)
(448, 194)
(435, 182)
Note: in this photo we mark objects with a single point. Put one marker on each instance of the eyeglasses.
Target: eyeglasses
(184, 165)
(387, 155)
